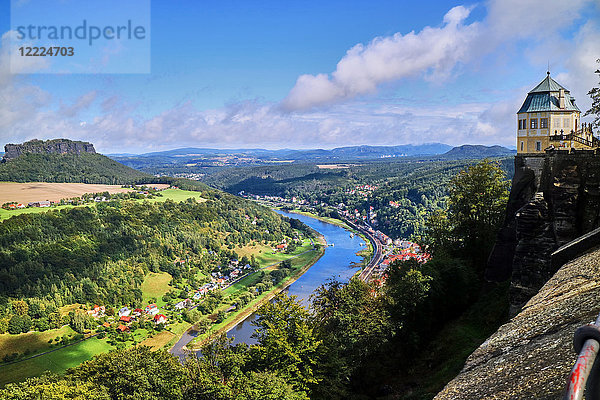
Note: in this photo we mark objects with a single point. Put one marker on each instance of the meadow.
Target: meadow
(172, 194)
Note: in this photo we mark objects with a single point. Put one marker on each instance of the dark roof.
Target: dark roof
(544, 97)
(548, 85)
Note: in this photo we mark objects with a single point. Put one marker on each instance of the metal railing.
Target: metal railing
(585, 375)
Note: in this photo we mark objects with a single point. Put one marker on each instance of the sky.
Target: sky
(310, 74)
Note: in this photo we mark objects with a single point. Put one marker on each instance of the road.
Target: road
(366, 273)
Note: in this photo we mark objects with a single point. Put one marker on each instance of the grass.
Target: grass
(32, 341)
(5, 214)
(159, 340)
(176, 195)
(155, 285)
(57, 361)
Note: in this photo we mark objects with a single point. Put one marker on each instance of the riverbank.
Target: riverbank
(366, 253)
(253, 306)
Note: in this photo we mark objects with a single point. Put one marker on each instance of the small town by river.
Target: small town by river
(338, 262)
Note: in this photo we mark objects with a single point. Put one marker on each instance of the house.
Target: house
(197, 295)
(151, 309)
(106, 325)
(124, 312)
(550, 119)
(181, 305)
(97, 311)
(281, 246)
(160, 319)
(137, 312)
(122, 328)
(126, 319)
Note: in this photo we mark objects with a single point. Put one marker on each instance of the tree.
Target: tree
(51, 387)
(20, 307)
(352, 323)
(287, 342)
(15, 325)
(595, 108)
(135, 373)
(477, 203)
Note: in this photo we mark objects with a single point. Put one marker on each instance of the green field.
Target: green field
(176, 195)
(57, 361)
(4, 214)
(155, 285)
(31, 341)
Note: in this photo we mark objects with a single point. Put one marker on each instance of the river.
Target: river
(337, 262)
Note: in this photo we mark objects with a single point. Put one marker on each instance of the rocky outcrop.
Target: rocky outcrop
(555, 198)
(54, 146)
(531, 356)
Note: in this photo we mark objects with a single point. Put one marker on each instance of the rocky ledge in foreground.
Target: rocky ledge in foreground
(530, 357)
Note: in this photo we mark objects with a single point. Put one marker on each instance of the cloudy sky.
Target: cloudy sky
(278, 74)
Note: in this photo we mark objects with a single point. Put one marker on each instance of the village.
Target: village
(392, 249)
(221, 278)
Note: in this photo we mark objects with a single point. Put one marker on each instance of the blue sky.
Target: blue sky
(312, 74)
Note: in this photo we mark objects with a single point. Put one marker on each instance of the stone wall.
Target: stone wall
(555, 198)
(531, 356)
(56, 146)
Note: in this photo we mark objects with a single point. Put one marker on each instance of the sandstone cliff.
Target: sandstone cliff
(531, 356)
(555, 198)
(54, 146)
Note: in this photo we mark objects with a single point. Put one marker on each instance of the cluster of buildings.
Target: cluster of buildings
(127, 316)
(362, 190)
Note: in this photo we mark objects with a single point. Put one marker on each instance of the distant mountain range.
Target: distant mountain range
(351, 153)
(477, 151)
(290, 154)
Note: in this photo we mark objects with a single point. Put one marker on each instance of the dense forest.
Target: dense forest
(101, 254)
(85, 168)
(402, 193)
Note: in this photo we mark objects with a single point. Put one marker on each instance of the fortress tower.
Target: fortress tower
(549, 118)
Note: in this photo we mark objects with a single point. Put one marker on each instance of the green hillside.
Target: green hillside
(85, 168)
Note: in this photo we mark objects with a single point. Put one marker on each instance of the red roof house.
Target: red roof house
(160, 319)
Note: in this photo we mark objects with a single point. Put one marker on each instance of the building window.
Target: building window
(543, 123)
(557, 122)
(533, 123)
(566, 122)
(522, 124)
(522, 145)
(538, 146)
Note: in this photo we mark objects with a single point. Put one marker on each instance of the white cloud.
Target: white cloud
(432, 53)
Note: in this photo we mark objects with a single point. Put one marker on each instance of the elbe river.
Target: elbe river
(338, 262)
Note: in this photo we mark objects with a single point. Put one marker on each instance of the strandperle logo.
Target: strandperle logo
(80, 36)
(85, 31)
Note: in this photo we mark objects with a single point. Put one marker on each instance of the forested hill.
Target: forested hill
(100, 255)
(83, 167)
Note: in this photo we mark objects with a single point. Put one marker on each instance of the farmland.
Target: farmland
(168, 194)
(37, 191)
